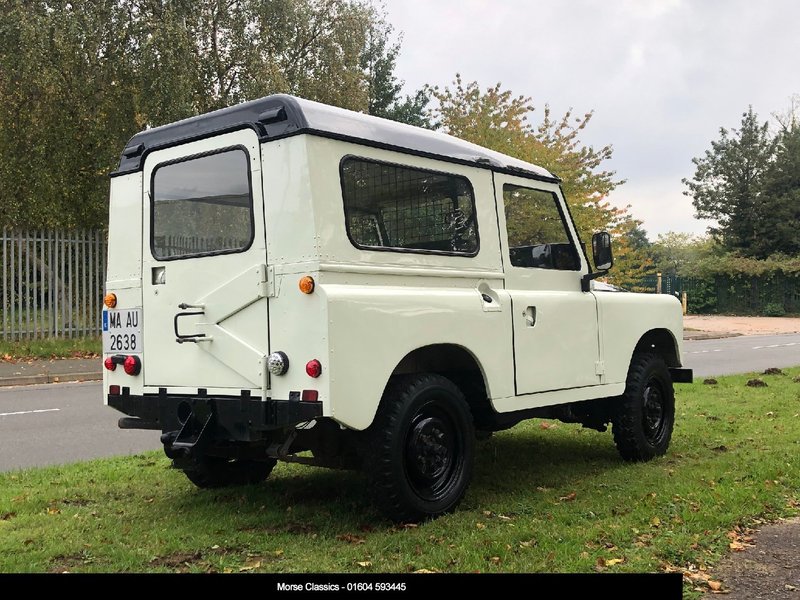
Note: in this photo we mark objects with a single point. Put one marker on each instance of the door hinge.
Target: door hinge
(271, 292)
(600, 368)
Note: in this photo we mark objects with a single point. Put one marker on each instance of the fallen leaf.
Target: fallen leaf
(527, 544)
(546, 425)
(737, 546)
(350, 538)
(655, 522)
(614, 561)
(249, 566)
(495, 560)
(569, 497)
(364, 563)
(714, 585)
(425, 571)
(480, 526)
(52, 510)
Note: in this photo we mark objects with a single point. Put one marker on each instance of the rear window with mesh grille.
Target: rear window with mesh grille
(393, 207)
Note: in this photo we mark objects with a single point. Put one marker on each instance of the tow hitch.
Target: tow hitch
(194, 436)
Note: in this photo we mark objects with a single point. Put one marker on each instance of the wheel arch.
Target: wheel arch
(662, 342)
(455, 362)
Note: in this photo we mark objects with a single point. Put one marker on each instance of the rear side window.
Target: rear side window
(202, 205)
(392, 207)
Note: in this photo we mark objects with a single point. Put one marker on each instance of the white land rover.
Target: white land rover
(292, 281)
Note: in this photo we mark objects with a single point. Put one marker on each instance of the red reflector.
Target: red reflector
(310, 395)
(110, 364)
(314, 368)
(132, 365)
(113, 390)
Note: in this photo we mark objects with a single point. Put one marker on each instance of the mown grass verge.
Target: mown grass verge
(545, 497)
(83, 347)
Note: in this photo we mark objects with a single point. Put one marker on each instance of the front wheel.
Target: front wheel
(420, 448)
(645, 415)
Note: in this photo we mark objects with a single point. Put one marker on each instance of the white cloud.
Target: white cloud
(661, 75)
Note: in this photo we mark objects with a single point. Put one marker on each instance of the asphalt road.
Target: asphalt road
(62, 423)
(67, 422)
(741, 354)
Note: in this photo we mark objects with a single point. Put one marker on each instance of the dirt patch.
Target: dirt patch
(182, 562)
(767, 570)
(742, 325)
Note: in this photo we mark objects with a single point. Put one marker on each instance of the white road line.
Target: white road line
(776, 346)
(29, 412)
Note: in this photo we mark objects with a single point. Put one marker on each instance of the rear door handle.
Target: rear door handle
(530, 316)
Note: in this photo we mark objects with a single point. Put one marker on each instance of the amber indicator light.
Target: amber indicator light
(306, 284)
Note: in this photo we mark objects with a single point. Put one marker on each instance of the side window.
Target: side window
(202, 205)
(392, 207)
(537, 235)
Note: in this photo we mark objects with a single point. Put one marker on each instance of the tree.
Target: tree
(728, 183)
(496, 119)
(78, 79)
(673, 252)
(383, 89)
(779, 229)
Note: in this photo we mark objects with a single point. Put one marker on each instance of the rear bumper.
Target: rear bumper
(235, 418)
(681, 375)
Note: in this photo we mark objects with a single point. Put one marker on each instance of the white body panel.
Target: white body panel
(370, 309)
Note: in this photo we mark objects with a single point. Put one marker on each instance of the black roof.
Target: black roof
(279, 116)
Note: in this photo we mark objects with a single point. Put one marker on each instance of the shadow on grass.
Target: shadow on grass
(510, 463)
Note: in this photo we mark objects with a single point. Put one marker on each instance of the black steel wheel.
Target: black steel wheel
(645, 416)
(217, 472)
(420, 448)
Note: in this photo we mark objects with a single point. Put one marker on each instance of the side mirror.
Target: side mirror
(601, 251)
(603, 259)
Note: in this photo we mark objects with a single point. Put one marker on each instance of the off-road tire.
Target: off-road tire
(645, 413)
(216, 472)
(420, 448)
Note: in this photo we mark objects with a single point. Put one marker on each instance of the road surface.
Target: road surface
(62, 423)
(67, 422)
(741, 354)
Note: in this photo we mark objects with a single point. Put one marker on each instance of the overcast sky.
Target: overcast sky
(661, 75)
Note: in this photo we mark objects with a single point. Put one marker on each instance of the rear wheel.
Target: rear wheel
(217, 472)
(421, 448)
(644, 418)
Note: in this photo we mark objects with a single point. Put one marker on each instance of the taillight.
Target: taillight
(113, 390)
(132, 365)
(314, 368)
(110, 364)
(310, 396)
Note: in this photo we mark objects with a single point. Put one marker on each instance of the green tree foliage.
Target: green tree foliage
(674, 253)
(728, 184)
(779, 229)
(497, 119)
(78, 78)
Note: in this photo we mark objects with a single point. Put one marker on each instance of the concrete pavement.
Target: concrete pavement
(50, 371)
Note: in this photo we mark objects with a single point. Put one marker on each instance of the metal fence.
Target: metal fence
(52, 283)
(773, 295)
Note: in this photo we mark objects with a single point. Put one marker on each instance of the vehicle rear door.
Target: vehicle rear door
(205, 310)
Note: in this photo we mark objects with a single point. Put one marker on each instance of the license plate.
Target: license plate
(122, 330)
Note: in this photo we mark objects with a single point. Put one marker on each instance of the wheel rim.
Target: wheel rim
(653, 413)
(433, 452)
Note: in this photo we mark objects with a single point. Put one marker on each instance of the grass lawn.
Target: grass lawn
(546, 497)
(84, 347)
